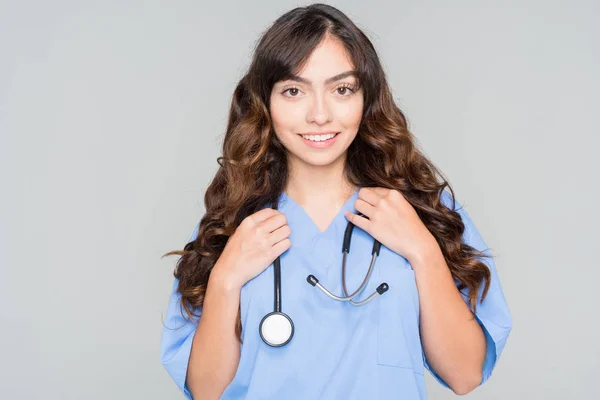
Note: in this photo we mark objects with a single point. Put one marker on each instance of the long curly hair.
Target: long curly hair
(253, 167)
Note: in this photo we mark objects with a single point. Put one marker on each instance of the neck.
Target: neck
(313, 186)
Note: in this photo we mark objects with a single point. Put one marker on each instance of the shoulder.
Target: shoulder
(449, 201)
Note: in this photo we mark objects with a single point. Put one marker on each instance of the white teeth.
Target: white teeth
(319, 138)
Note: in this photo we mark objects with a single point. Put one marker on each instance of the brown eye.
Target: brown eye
(345, 90)
(296, 90)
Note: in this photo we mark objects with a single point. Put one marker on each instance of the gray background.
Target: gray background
(111, 116)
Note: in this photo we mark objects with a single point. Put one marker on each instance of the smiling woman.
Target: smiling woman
(315, 145)
(322, 96)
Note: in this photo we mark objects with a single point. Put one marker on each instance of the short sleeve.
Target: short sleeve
(177, 336)
(492, 314)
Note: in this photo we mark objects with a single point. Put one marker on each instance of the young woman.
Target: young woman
(316, 144)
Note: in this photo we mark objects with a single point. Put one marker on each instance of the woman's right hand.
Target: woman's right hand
(258, 240)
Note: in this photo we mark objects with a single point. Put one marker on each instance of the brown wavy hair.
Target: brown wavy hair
(253, 167)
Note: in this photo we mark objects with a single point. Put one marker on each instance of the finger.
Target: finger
(382, 192)
(369, 195)
(274, 222)
(364, 207)
(282, 246)
(279, 234)
(359, 221)
(263, 214)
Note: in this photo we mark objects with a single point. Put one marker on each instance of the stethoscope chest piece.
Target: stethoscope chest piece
(276, 329)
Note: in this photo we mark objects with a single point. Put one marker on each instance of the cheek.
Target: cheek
(351, 115)
(274, 111)
(283, 116)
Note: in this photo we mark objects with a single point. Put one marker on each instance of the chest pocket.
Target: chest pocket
(398, 337)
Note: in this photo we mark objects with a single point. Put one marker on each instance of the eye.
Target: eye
(294, 89)
(346, 89)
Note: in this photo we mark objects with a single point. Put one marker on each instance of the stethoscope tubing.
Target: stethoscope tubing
(277, 314)
(350, 298)
(382, 288)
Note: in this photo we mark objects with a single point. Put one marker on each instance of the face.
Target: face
(318, 101)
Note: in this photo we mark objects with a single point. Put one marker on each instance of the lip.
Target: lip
(323, 144)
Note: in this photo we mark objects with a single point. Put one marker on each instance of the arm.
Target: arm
(202, 356)
(453, 341)
(215, 352)
(459, 349)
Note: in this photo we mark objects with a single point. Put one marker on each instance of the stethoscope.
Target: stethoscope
(277, 329)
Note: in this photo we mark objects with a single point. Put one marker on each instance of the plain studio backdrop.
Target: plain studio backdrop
(111, 119)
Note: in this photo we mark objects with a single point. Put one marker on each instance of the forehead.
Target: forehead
(328, 63)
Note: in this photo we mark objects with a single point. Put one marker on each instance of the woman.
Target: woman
(314, 141)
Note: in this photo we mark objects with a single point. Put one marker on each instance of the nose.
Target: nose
(319, 111)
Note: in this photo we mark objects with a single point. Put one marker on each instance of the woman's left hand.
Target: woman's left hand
(392, 221)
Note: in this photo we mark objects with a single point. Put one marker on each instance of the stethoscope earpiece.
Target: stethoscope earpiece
(381, 289)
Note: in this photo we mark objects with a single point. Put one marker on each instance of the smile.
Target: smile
(319, 138)
(320, 141)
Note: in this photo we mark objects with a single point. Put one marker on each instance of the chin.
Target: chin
(321, 161)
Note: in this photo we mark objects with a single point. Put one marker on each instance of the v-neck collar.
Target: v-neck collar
(311, 231)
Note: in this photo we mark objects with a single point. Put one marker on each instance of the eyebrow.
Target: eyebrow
(337, 77)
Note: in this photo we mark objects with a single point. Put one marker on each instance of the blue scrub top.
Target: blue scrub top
(338, 351)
